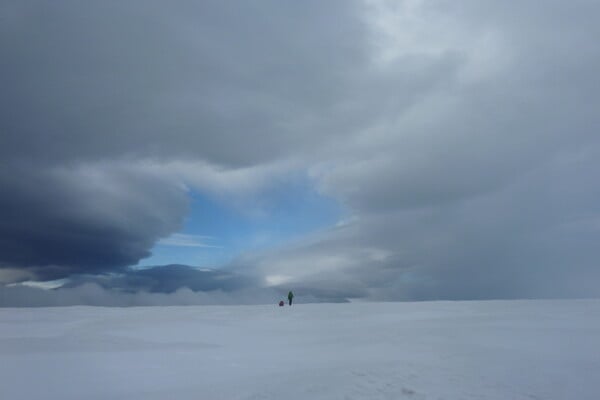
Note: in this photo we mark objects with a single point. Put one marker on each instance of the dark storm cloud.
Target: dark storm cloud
(56, 222)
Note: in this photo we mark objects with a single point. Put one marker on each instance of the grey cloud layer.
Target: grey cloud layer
(462, 138)
(483, 185)
(185, 80)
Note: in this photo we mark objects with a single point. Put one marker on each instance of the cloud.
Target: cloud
(94, 295)
(186, 240)
(532, 238)
(460, 139)
(180, 81)
(155, 286)
(105, 129)
(92, 218)
(464, 191)
(168, 279)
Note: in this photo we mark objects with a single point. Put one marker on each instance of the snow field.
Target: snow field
(430, 350)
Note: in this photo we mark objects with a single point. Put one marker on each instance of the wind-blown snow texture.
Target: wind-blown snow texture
(434, 350)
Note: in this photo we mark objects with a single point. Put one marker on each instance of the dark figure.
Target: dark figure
(290, 297)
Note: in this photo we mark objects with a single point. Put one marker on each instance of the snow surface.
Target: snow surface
(431, 350)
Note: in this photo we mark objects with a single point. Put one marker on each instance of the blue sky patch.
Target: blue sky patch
(216, 230)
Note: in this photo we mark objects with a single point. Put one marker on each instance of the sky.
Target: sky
(368, 150)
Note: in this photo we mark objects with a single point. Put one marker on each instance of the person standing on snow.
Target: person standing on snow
(290, 297)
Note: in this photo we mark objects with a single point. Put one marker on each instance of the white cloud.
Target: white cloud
(187, 240)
